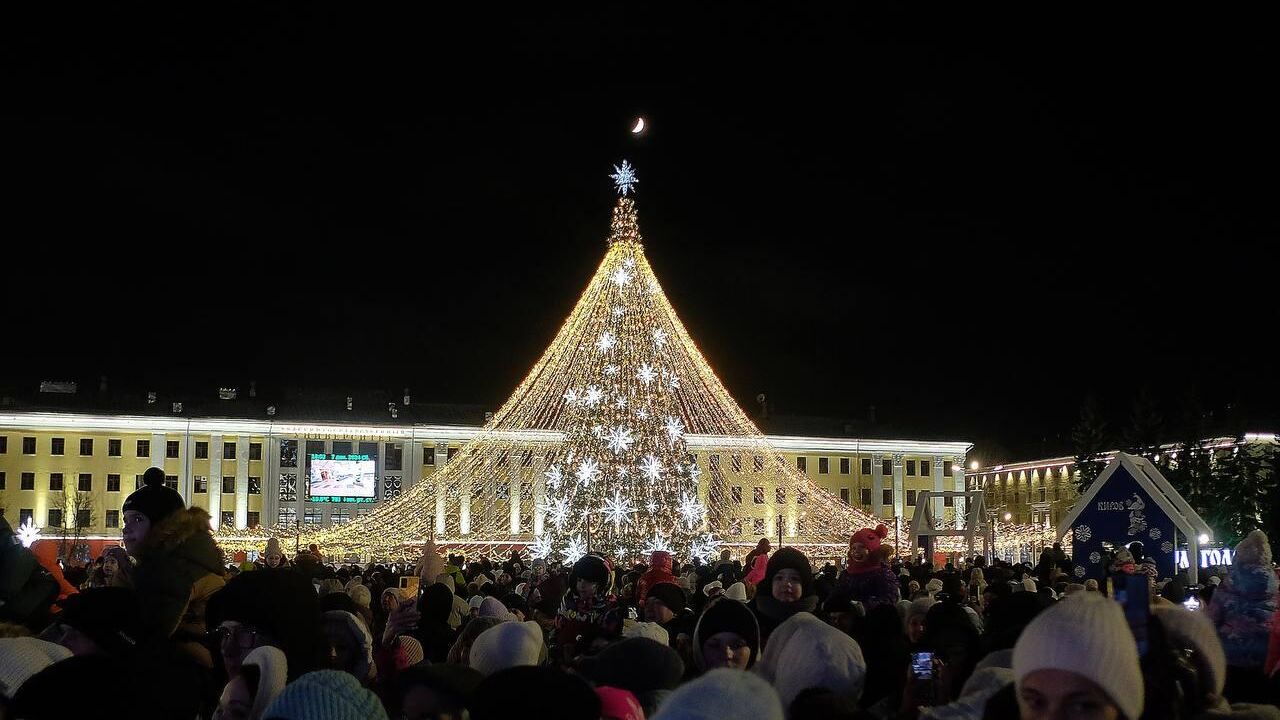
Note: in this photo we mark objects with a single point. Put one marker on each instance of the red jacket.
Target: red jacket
(659, 572)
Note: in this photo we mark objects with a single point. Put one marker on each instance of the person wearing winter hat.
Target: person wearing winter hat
(534, 692)
(460, 607)
(618, 704)
(587, 611)
(762, 548)
(1243, 609)
(433, 691)
(1079, 652)
(268, 608)
(507, 644)
(474, 604)
(460, 651)
(785, 591)
(273, 557)
(105, 621)
(933, 587)
(713, 589)
(727, 635)
(651, 630)
(649, 669)
(867, 577)
(325, 695)
(330, 585)
(737, 591)
(179, 566)
(261, 679)
(757, 570)
(805, 652)
(432, 629)
(914, 624)
(659, 572)
(116, 569)
(22, 657)
(719, 692)
(517, 606)
(666, 605)
(350, 644)
(492, 607)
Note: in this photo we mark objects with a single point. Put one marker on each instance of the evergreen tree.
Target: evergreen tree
(1146, 429)
(1242, 490)
(1191, 471)
(1089, 436)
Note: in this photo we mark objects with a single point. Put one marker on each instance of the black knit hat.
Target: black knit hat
(727, 615)
(637, 664)
(154, 499)
(669, 594)
(593, 568)
(280, 603)
(111, 617)
(790, 559)
(534, 692)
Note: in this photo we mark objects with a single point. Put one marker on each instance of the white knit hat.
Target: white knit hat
(22, 657)
(1085, 634)
(1029, 585)
(505, 645)
(933, 586)
(805, 652)
(651, 630)
(737, 591)
(343, 621)
(475, 601)
(360, 595)
(713, 585)
(1195, 631)
(273, 674)
(718, 693)
(492, 607)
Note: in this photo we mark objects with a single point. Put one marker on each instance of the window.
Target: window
(715, 462)
(394, 456)
(85, 482)
(287, 516)
(844, 466)
(86, 446)
(228, 484)
(312, 516)
(844, 495)
(113, 482)
(802, 497)
(252, 519)
(137, 482)
(2, 480)
(228, 451)
(735, 463)
(28, 481)
(780, 496)
(948, 502)
(736, 494)
(171, 482)
(55, 481)
(113, 448)
(735, 526)
(924, 468)
(55, 518)
(4, 444)
(229, 518)
(57, 446)
(1043, 491)
(864, 497)
(288, 487)
(171, 449)
(113, 519)
(341, 447)
(757, 526)
(28, 446)
(255, 451)
(824, 465)
(200, 484)
(758, 495)
(144, 448)
(802, 463)
(84, 518)
(887, 497)
(911, 467)
(866, 466)
(449, 455)
(26, 515)
(428, 455)
(911, 497)
(370, 449)
(886, 467)
(255, 485)
(288, 453)
(202, 450)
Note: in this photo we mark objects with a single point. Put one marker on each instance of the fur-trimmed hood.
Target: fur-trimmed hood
(185, 533)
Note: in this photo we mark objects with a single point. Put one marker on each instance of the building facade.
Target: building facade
(63, 470)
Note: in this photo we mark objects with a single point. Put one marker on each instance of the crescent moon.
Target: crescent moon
(639, 126)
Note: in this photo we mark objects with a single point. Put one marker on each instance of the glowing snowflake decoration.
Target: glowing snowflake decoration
(691, 510)
(1079, 572)
(1095, 557)
(694, 472)
(570, 397)
(557, 511)
(619, 439)
(611, 370)
(617, 509)
(606, 342)
(629, 263)
(652, 467)
(646, 373)
(1166, 546)
(657, 543)
(675, 429)
(617, 311)
(642, 413)
(575, 551)
(621, 277)
(1083, 533)
(540, 548)
(1155, 533)
(587, 471)
(704, 547)
(620, 403)
(593, 396)
(554, 477)
(651, 506)
(598, 431)
(659, 337)
(28, 533)
(624, 178)
(673, 382)
(622, 471)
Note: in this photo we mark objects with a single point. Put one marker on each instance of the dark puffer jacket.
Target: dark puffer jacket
(179, 567)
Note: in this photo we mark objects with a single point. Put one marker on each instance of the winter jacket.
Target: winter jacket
(659, 572)
(770, 612)
(873, 585)
(179, 567)
(1242, 610)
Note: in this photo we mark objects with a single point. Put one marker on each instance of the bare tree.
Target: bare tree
(77, 518)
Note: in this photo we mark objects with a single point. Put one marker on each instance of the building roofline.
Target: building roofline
(1213, 443)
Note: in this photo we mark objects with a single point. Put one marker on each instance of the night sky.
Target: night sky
(969, 227)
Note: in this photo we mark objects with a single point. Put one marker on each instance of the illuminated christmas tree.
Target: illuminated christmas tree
(595, 450)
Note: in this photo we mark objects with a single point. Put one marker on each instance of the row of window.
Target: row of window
(58, 446)
(111, 519)
(824, 465)
(758, 495)
(864, 497)
(84, 482)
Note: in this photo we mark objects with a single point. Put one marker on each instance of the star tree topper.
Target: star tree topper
(624, 178)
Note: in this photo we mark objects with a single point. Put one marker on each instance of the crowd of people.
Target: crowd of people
(163, 627)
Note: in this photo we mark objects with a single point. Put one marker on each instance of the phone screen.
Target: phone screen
(1134, 595)
(922, 665)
